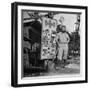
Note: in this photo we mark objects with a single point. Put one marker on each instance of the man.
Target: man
(62, 40)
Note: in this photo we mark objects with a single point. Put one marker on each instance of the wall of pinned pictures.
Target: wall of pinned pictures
(48, 48)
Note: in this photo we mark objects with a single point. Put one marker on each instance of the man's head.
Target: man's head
(63, 28)
(51, 15)
(59, 28)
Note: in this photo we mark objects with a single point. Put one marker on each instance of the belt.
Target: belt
(63, 43)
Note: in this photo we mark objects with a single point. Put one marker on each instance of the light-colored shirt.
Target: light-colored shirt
(63, 38)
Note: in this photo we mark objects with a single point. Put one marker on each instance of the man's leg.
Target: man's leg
(60, 61)
(60, 53)
(65, 51)
(65, 54)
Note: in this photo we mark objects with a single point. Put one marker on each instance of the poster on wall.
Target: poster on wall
(48, 37)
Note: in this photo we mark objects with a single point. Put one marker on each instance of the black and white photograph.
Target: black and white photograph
(51, 44)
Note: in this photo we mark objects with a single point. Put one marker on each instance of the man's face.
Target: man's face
(51, 15)
(63, 28)
(60, 27)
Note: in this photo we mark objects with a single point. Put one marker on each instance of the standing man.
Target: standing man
(62, 40)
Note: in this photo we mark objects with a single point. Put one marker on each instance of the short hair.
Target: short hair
(59, 28)
(64, 26)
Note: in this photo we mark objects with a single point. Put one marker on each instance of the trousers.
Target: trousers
(62, 51)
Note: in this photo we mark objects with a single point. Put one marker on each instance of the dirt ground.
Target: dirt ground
(72, 68)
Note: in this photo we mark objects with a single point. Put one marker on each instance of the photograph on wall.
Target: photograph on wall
(51, 44)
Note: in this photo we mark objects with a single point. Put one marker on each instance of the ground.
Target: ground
(72, 68)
